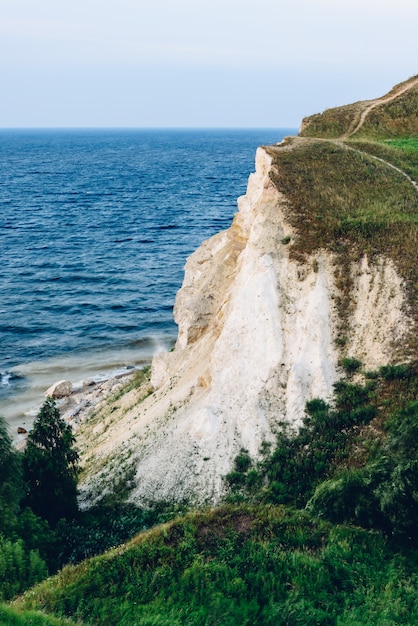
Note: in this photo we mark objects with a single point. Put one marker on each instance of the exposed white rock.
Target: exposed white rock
(256, 341)
(378, 322)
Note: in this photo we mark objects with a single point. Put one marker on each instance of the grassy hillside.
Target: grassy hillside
(393, 115)
(396, 118)
(239, 565)
(332, 123)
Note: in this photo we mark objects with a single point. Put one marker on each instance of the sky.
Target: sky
(197, 63)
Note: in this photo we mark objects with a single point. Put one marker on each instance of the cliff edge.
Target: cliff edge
(318, 265)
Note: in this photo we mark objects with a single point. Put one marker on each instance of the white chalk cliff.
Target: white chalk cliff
(256, 340)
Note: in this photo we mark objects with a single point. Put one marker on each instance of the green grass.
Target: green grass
(139, 379)
(406, 143)
(402, 153)
(12, 617)
(332, 123)
(336, 193)
(239, 565)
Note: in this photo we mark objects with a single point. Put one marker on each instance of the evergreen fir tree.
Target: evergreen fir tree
(51, 466)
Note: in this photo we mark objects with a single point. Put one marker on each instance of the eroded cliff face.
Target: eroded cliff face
(257, 339)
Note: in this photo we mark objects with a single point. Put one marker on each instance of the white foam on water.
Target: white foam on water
(5, 378)
(21, 408)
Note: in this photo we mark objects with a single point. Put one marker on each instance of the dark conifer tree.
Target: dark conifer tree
(51, 466)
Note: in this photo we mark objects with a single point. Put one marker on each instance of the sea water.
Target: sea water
(95, 229)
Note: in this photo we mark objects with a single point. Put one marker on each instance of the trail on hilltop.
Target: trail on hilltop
(359, 120)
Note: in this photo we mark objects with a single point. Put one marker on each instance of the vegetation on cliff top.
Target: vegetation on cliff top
(352, 188)
(393, 115)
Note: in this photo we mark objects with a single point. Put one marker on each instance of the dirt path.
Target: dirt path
(358, 123)
(376, 158)
(345, 146)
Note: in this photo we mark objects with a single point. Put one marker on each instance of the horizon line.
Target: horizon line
(288, 127)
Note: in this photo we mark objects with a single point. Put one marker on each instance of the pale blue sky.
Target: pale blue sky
(205, 63)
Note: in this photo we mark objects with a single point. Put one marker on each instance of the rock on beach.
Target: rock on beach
(60, 389)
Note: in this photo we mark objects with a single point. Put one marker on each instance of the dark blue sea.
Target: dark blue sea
(95, 229)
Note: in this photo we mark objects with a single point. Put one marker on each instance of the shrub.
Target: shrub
(383, 494)
(346, 498)
(19, 568)
(396, 372)
(350, 365)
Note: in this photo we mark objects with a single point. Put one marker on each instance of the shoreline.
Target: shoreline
(21, 401)
(76, 407)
